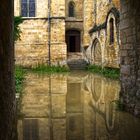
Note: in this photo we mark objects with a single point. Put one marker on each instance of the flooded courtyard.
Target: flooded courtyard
(74, 106)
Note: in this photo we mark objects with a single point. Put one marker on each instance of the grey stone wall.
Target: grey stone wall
(130, 55)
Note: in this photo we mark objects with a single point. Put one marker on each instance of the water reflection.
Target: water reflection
(76, 106)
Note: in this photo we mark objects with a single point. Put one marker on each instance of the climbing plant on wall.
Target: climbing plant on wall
(17, 31)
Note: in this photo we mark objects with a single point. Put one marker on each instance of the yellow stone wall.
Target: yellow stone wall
(78, 8)
(101, 17)
(103, 6)
(88, 20)
(32, 48)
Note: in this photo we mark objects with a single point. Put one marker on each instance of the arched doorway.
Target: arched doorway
(96, 53)
(73, 41)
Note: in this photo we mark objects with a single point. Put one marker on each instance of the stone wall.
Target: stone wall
(130, 55)
(78, 9)
(88, 20)
(103, 12)
(32, 48)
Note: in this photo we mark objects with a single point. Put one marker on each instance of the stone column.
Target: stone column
(130, 55)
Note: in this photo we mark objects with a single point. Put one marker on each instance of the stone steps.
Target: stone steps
(77, 64)
(76, 61)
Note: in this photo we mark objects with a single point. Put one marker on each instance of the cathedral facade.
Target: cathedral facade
(54, 31)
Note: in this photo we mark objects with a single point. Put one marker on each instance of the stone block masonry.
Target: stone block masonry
(130, 52)
(32, 48)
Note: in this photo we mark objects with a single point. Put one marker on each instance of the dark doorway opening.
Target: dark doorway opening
(73, 41)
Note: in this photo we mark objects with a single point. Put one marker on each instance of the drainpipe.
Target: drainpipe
(49, 32)
(95, 11)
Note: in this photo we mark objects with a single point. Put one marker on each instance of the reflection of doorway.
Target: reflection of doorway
(73, 41)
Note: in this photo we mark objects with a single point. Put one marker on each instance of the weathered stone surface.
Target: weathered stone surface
(103, 12)
(33, 48)
(130, 71)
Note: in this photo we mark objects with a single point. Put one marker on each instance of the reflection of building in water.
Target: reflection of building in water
(76, 106)
(103, 92)
(38, 106)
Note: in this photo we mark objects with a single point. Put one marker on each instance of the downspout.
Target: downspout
(49, 63)
(49, 32)
(95, 11)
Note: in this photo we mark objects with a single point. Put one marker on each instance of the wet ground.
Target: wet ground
(74, 106)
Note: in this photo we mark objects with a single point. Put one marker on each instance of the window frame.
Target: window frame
(72, 6)
(28, 9)
(111, 31)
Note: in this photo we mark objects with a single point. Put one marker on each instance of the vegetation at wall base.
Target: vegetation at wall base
(19, 79)
(112, 73)
(50, 69)
(119, 105)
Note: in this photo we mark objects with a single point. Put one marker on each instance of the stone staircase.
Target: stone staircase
(76, 61)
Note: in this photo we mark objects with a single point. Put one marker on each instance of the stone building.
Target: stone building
(63, 28)
(104, 47)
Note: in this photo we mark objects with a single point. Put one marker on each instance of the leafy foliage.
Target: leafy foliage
(17, 31)
(19, 77)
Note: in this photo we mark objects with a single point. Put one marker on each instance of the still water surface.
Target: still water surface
(74, 106)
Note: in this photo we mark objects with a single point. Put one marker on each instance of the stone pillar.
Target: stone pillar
(130, 55)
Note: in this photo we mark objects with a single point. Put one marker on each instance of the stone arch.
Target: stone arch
(71, 9)
(116, 14)
(96, 52)
(113, 40)
(113, 15)
(111, 118)
(96, 88)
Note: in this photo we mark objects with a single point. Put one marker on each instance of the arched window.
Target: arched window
(28, 8)
(71, 9)
(111, 25)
